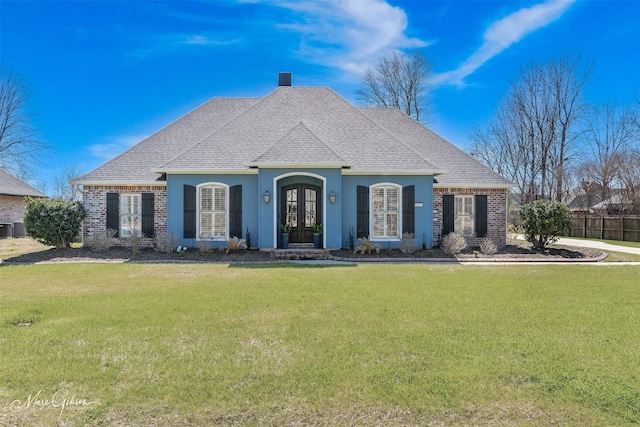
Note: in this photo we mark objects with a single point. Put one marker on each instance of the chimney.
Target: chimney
(284, 79)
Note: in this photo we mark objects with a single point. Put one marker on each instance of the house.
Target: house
(12, 205)
(302, 156)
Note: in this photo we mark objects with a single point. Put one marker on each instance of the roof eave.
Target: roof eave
(428, 172)
(197, 171)
(488, 185)
(116, 182)
(312, 165)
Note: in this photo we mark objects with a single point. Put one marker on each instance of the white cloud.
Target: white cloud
(181, 43)
(349, 34)
(503, 33)
(113, 146)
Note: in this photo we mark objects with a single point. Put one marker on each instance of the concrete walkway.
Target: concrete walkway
(565, 241)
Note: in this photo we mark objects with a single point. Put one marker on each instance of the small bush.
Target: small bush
(234, 244)
(488, 247)
(102, 241)
(136, 242)
(453, 243)
(53, 222)
(366, 246)
(408, 242)
(543, 221)
(204, 246)
(165, 243)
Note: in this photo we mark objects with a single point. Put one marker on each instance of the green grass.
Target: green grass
(367, 345)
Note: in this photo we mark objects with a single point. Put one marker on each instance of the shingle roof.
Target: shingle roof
(462, 170)
(299, 146)
(294, 125)
(137, 163)
(351, 135)
(12, 186)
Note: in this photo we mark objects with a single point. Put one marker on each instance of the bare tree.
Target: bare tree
(400, 81)
(19, 142)
(533, 132)
(610, 134)
(62, 186)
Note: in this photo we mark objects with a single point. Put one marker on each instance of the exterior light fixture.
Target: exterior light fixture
(332, 197)
(267, 196)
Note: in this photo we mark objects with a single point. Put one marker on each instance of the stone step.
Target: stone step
(299, 253)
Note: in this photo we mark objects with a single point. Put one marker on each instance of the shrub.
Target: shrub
(366, 245)
(234, 244)
(407, 244)
(204, 246)
(543, 221)
(453, 243)
(165, 243)
(53, 222)
(102, 241)
(136, 241)
(488, 247)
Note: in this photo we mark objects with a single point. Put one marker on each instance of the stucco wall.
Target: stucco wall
(95, 203)
(175, 200)
(423, 214)
(496, 212)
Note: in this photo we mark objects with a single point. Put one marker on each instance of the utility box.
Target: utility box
(5, 230)
(18, 229)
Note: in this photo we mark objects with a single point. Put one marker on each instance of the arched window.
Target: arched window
(386, 211)
(213, 211)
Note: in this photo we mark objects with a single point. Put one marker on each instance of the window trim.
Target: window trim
(385, 238)
(121, 215)
(213, 185)
(472, 197)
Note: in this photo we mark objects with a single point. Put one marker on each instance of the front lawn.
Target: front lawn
(166, 344)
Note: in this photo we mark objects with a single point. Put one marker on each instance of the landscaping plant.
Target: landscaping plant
(453, 243)
(53, 222)
(543, 221)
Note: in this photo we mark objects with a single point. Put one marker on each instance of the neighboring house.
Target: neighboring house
(12, 204)
(300, 155)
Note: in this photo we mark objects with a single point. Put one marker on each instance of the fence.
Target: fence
(606, 227)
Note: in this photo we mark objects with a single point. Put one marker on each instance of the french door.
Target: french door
(301, 207)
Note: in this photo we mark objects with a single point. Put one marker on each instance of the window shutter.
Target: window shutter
(148, 217)
(113, 212)
(408, 209)
(448, 220)
(481, 215)
(235, 211)
(362, 212)
(189, 214)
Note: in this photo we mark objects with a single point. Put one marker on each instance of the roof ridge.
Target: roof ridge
(228, 123)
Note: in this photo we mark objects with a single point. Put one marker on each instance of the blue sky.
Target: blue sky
(105, 74)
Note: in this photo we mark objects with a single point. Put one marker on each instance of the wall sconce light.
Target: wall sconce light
(267, 196)
(332, 197)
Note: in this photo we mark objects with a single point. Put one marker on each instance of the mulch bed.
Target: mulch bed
(512, 252)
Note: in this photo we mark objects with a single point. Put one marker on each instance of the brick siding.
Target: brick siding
(12, 209)
(496, 212)
(95, 203)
